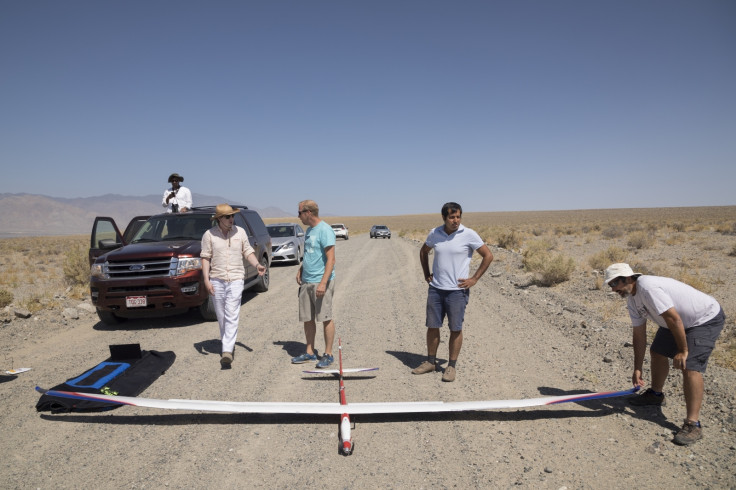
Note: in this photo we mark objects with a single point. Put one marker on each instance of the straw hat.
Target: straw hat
(619, 270)
(223, 210)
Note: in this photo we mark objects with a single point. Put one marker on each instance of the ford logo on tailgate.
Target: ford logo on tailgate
(137, 267)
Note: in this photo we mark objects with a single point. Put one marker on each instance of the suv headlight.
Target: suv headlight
(99, 271)
(188, 264)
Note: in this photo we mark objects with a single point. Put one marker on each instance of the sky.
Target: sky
(380, 107)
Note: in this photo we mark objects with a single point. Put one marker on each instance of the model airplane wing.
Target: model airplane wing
(335, 408)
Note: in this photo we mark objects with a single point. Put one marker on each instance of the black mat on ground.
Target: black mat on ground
(127, 372)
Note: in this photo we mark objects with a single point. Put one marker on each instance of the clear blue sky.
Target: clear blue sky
(377, 107)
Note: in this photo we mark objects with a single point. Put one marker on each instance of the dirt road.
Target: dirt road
(520, 342)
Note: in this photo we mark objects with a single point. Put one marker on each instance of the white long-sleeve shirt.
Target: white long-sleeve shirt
(183, 198)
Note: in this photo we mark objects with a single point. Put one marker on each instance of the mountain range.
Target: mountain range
(38, 215)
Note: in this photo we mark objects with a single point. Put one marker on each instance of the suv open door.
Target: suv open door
(106, 235)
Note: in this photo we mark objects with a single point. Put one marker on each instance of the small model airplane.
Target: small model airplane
(343, 408)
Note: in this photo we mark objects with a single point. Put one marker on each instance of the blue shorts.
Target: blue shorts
(450, 303)
(700, 342)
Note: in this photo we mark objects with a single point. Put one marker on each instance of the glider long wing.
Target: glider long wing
(335, 408)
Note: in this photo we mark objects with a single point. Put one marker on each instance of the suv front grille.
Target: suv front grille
(142, 268)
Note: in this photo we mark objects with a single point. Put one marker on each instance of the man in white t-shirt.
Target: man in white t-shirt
(177, 198)
(689, 322)
(449, 284)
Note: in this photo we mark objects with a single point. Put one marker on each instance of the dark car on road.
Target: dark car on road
(154, 269)
(380, 231)
(287, 240)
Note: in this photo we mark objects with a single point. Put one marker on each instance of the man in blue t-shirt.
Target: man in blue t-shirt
(316, 279)
(449, 283)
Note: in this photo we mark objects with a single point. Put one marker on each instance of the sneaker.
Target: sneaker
(648, 398)
(424, 368)
(325, 361)
(689, 433)
(449, 375)
(226, 359)
(303, 358)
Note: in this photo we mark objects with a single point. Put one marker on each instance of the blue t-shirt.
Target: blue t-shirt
(317, 239)
(452, 254)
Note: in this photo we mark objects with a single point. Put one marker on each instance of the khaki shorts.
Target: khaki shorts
(313, 308)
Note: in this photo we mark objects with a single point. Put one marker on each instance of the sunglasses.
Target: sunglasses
(302, 211)
(616, 282)
(229, 216)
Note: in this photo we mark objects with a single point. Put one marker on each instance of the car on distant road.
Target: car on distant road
(380, 231)
(287, 242)
(154, 268)
(341, 231)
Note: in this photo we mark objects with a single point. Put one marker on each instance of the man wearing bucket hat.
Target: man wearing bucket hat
(224, 246)
(689, 323)
(177, 198)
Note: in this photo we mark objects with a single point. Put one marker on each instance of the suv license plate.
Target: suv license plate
(136, 301)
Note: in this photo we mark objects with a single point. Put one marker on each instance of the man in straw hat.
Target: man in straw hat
(316, 279)
(177, 198)
(689, 322)
(224, 246)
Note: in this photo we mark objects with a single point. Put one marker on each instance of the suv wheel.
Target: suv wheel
(108, 317)
(264, 280)
(207, 310)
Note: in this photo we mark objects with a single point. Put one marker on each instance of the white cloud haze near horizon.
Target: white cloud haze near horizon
(373, 108)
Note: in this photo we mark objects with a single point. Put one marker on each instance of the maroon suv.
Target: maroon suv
(154, 268)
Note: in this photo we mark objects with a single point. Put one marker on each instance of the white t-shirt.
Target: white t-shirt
(655, 295)
(452, 254)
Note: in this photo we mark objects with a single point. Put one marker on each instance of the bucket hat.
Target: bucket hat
(223, 210)
(619, 270)
(175, 176)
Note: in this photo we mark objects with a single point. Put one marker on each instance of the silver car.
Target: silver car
(380, 231)
(287, 242)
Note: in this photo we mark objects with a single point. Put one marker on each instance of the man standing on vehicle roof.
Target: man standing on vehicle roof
(689, 322)
(449, 283)
(177, 199)
(223, 248)
(316, 279)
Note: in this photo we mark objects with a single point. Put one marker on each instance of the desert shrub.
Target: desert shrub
(604, 258)
(34, 304)
(678, 226)
(510, 240)
(564, 230)
(6, 297)
(640, 239)
(76, 265)
(732, 253)
(551, 268)
(642, 268)
(726, 228)
(613, 231)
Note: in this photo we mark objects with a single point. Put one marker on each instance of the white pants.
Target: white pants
(228, 296)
